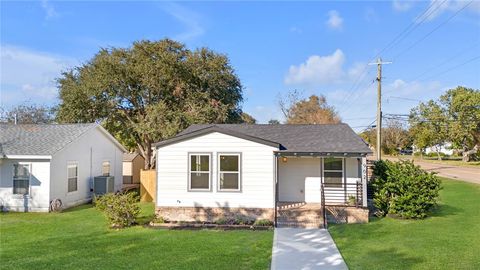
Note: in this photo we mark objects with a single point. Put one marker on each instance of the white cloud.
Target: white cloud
(189, 18)
(317, 70)
(28, 75)
(50, 11)
(334, 20)
(296, 30)
(370, 15)
(402, 5)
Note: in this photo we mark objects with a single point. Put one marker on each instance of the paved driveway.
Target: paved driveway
(295, 248)
(467, 174)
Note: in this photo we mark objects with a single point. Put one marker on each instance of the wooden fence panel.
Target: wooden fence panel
(148, 182)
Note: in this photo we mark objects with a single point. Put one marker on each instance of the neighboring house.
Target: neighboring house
(445, 148)
(213, 171)
(132, 164)
(41, 163)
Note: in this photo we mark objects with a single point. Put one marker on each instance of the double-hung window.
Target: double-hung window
(72, 171)
(199, 172)
(333, 172)
(21, 179)
(229, 172)
(106, 168)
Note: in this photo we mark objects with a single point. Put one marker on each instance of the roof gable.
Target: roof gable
(323, 138)
(215, 128)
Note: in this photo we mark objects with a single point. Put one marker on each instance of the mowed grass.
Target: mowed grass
(80, 239)
(449, 239)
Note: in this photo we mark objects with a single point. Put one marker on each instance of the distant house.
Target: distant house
(445, 148)
(132, 164)
(285, 173)
(41, 163)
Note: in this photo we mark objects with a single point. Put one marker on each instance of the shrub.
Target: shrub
(238, 220)
(403, 189)
(121, 209)
(263, 222)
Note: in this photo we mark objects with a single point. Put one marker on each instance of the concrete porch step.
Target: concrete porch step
(306, 225)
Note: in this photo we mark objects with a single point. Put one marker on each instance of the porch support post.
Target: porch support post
(364, 182)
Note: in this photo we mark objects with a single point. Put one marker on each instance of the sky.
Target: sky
(320, 48)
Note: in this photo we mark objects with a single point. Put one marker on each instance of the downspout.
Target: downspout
(276, 189)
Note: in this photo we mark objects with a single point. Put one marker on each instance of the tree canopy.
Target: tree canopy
(151, 91)
(313, 110)
(247, 118)
(454, 117)
(28, 114)
(395, 136)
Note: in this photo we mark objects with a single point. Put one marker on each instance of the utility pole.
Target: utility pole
(379, 64)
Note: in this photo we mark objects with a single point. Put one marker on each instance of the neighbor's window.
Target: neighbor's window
(333, 172)
(106, 168)
(229, 172)
(199, 172)
(21, 178)
(72, 177)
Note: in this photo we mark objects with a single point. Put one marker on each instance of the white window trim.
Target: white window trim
(68, 164)
(29, 179)
(239, 172)
(109, 167)
(342, 170)
(209, 154)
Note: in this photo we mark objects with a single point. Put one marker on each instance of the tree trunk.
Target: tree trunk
(146, 152)
(439, 156)
(467, 153)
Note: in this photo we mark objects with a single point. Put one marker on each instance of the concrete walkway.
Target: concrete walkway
(295, 248)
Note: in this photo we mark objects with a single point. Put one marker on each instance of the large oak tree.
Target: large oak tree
(313, 110)
(455, 117)
(151, 91)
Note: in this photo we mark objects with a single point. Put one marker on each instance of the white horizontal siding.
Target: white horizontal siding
(296, 171)
(38, 198)
(257, 173)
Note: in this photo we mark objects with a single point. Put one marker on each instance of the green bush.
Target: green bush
(403, 189)
(263, 222)
(121, 209)
(435, 154)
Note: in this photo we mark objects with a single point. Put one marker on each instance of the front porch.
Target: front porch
(314, 190)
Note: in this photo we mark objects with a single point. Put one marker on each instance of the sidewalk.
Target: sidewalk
(295, 248)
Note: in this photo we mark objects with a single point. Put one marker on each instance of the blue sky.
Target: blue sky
(315, 47)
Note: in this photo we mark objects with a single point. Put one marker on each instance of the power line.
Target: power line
(445, 61)
(432, 31)
(403, 98)
(415, 24)
(454, 67)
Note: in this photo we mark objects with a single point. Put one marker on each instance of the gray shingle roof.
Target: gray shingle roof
(327, 138)
(43, 139)
(129, 156)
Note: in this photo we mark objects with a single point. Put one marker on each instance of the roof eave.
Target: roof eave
(322, 153)
(212, 129)
(28, 156)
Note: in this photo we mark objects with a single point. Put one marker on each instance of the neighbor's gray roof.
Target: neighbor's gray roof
(326, 138)
(41, 139)
(129, 156)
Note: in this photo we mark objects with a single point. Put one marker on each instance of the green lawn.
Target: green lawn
(80, 239)
(450, 239)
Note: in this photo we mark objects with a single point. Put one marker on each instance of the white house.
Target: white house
(41, 163)
(262, 171)
(445, 148)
